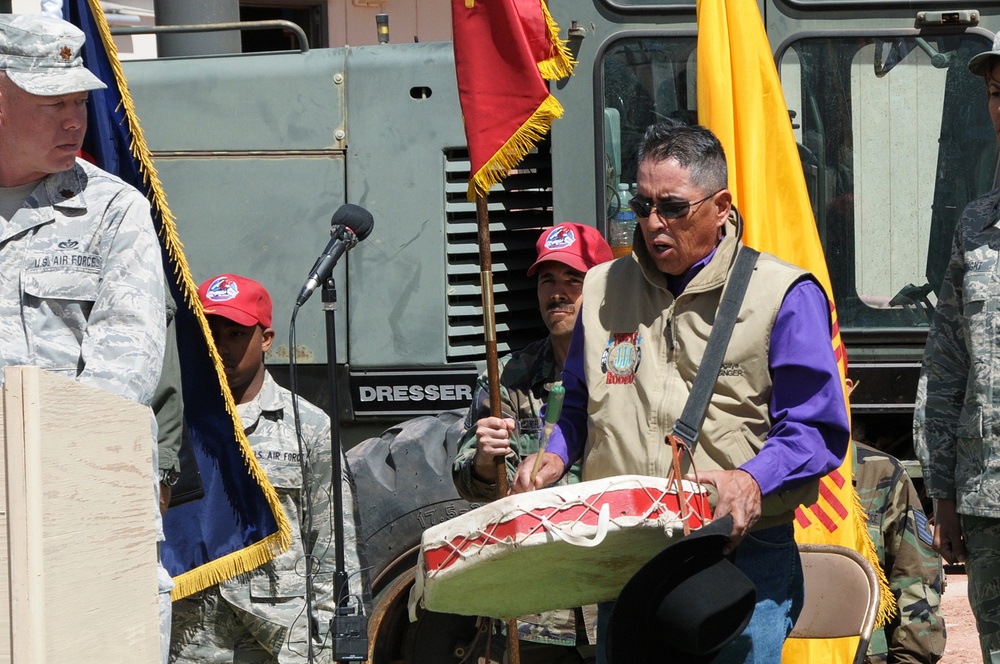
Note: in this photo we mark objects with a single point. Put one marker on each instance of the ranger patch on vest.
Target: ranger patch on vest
(730, 369)
(621, 358)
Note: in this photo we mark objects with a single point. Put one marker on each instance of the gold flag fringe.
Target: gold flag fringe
(517, 146)
(863, 543)
(257, 554)
(865, 546)
(560, 64)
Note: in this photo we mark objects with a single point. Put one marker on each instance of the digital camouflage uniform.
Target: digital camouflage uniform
(260, 616)
(81, 284)
(961, 415)
(81, 276)
(525, 380)
(898, 527)
(81, 294)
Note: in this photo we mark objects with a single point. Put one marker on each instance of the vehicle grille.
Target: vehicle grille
(519, 207)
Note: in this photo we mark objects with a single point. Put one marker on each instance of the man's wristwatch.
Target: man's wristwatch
(169, 476)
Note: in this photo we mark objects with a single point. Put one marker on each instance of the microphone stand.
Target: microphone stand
(349, 631)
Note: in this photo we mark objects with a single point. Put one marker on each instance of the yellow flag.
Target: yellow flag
(740, 99)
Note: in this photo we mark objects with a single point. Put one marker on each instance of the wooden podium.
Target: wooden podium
(77, 522)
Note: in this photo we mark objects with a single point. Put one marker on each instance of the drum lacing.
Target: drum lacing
(658, 506)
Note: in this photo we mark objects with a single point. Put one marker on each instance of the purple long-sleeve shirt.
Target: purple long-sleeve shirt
(809, 431)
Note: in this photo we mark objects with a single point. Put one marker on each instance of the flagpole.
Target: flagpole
(493, 373)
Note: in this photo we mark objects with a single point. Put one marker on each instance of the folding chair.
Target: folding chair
(842, 596)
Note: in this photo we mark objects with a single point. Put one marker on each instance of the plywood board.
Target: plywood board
(80, 535)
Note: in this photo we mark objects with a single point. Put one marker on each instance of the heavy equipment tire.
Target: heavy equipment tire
(404, 486)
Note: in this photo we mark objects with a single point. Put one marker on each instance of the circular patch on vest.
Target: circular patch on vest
(621, 358)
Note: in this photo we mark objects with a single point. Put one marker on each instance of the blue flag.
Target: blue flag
(239, 524)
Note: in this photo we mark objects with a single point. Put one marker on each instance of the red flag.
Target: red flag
(504, 51)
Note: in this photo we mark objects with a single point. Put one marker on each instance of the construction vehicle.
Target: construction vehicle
(256, 151)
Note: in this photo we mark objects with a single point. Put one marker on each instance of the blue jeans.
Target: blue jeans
(770, 558)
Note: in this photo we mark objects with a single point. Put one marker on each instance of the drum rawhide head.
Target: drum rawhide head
(582, 541)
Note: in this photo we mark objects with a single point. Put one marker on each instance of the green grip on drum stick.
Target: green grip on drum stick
(552, 411)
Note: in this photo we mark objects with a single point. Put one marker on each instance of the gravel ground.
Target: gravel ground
(962, 645)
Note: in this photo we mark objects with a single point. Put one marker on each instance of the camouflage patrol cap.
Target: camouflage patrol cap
(981, 64)
(41, 55)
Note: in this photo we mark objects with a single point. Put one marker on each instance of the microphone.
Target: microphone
(350, 224)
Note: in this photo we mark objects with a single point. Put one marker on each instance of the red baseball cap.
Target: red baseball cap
(577, 245)
(239, 299)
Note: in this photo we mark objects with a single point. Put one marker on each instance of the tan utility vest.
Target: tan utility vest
(641, 353)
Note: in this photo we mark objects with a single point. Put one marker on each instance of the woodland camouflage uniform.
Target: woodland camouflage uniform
(898, 527)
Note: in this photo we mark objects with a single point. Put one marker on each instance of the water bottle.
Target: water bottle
(622, 225)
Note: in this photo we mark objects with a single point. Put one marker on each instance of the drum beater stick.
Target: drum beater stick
(552, 411)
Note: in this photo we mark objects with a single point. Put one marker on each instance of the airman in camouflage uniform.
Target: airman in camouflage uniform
(962, 368)
(82, 290)
(565, 253)
(898, 527)
(260, 617)
(81, 280)
(80, 262)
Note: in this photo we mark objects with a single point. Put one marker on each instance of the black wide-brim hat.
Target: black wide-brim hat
(684, 605)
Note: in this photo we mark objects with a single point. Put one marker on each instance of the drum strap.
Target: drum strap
(674, 477)
(689, 423)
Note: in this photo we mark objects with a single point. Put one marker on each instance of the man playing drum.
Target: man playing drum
(776, 421)
(565, 253)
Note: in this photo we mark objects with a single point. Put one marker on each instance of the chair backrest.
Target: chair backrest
(842, 595)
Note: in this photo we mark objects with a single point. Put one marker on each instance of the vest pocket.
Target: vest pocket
(735, 448)
(739, 447)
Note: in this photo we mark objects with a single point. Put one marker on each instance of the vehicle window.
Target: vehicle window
(645, 80)
(894, 137)
(895, 140)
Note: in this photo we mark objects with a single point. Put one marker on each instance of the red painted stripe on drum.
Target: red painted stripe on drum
(621, 502)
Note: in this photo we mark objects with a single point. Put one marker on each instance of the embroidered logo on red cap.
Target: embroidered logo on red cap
(222, 289)
(560, 237)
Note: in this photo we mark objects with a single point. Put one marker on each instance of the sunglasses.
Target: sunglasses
(643, 207)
